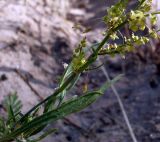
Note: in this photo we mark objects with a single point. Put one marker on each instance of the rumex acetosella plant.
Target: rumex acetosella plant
(22, 127)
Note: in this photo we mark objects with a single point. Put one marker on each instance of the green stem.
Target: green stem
(153, 13)
(59, 90)
(93, 56)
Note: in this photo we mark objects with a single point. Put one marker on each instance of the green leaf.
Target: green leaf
(64, 110)
(44, 135)
(2, 127)
(48, 99)
(13, 106)
(109, 83)
(71, 106)
(67, 73)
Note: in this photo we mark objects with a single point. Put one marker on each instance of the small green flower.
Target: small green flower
(114, 36)
(115, 15)
(153, 33)
(78, 61)
(153, 19)
(139, 40)
(146, 6)
(137, 20)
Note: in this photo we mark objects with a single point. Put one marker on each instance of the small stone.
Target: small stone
(3, 77)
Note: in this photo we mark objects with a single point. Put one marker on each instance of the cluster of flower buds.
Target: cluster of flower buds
(115, 15)
(153, 33)
(139, 40)
(114, 36)
(137, 20)
(79, 55)
(146, 6)
(118, 15)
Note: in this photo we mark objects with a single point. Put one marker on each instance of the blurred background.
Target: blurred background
(37, 38)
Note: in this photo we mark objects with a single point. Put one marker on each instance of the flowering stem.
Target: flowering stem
(153, 13)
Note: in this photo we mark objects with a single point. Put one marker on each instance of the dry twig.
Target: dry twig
(131, 132)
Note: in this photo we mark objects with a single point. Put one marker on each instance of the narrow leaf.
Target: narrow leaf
(45, 135)
(66, 109)
(13, 106)
(109, 83)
